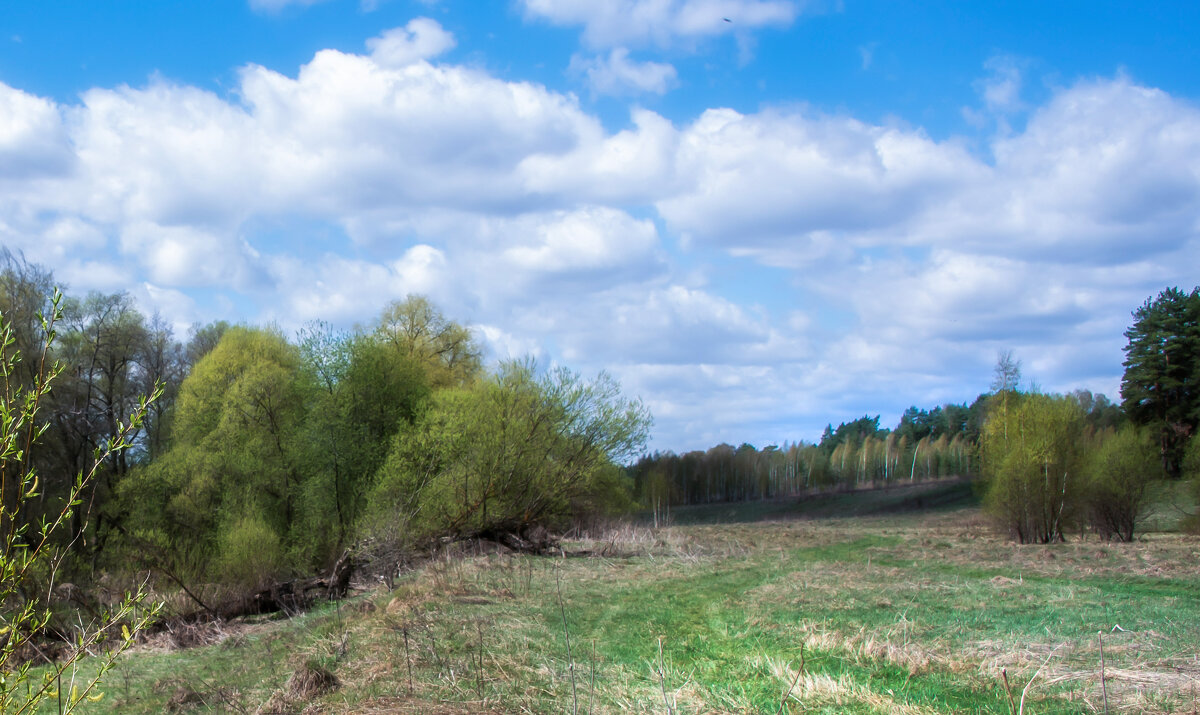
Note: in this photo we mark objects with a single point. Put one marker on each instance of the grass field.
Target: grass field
(862, 603)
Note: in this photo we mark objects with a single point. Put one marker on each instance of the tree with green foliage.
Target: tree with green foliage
(415, 327)
(1101, 413)
(274, 446)
(519, 450)
(1161, 385)
(32, 552)
(366, 389)
(1119, 471)
(202, 339)
(234, 461)
(852, 432)
(1032, 451)
(104, 341)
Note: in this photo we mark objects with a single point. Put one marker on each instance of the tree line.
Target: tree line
(1046, 463)
(926, 444)
(268, 457)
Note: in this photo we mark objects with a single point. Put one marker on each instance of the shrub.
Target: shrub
(1191, 470)
(1033, 458)
(519, 450)
(1119, 470)
(250, 555)
(31, 548)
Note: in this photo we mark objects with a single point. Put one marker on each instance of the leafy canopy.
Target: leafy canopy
(521, 449)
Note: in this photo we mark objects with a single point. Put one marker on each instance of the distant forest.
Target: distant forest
(926, 444)
(1045, 463)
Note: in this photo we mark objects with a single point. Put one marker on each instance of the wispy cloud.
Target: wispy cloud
(1001, 89)
(270, 6)
(661, 23)
(617, 74)
(866, 54)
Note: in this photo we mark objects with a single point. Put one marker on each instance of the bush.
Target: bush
(1191, 471)
(1119, 470)
(1032, 454)
(520, 450)
(250, 555)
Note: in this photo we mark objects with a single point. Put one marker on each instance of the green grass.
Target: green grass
(910, 611)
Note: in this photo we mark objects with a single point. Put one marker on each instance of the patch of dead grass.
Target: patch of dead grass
(819, 689)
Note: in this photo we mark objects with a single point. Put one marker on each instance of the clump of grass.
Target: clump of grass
(821, 690)
(310, 681)
(187, 697)
(184, 698)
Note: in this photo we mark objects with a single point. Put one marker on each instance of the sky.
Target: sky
(761, 216)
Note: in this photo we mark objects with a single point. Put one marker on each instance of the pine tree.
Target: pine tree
(1161, 386)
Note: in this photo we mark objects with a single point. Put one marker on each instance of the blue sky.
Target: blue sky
(811, 211)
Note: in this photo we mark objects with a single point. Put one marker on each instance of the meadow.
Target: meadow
(897, 601)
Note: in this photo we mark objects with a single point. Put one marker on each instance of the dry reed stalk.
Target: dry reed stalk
(788, 694)
(1012, 705)
(567, 635)
(1103, 687)
(592, 678)
(662, 679)
(1036, 673)
(479, 672)
(408, 658)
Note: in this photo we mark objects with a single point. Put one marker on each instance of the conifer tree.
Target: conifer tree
(1161, 386)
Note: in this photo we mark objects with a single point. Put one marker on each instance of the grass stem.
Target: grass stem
(1103, 686)
(567, 636)
(662, 678)
(788, 694)
(1012, 705)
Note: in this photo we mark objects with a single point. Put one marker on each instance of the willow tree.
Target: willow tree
(234, 469)
(1120, 470)
(518, 450)
(415, 327)
(1033, 457)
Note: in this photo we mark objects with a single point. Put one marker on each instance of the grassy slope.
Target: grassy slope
(906, 612)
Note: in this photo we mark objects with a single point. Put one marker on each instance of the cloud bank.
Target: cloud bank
(882, 267)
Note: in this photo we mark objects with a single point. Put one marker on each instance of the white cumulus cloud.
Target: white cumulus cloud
(33, 140)
(421, 39)
(770, 180)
